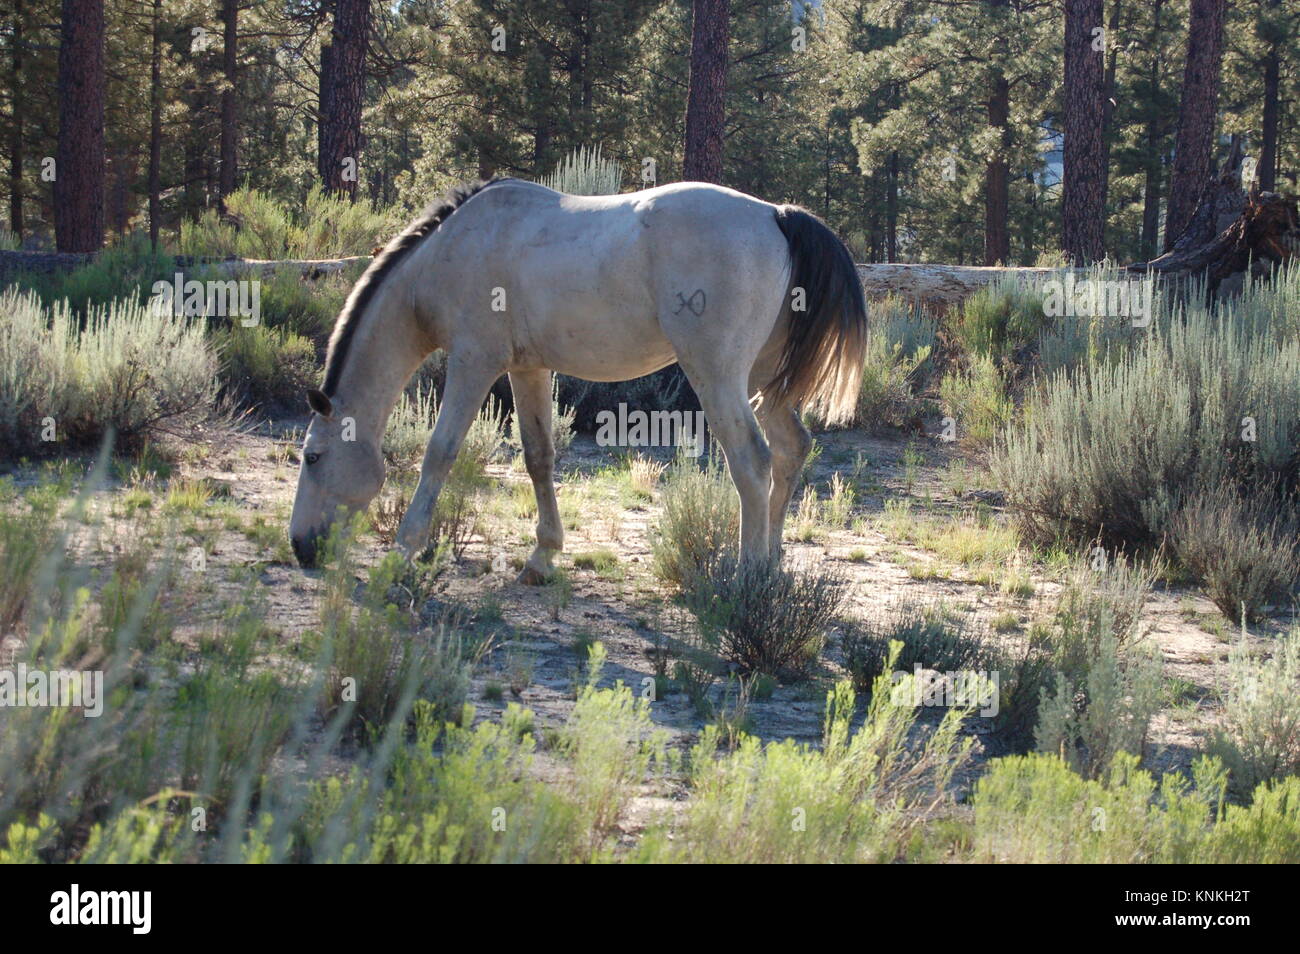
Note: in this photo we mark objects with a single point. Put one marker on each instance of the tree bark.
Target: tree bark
(1153, 166)
(16, 223)
(229, 101)
(79, 164)
(891, 211)
(1193, 149)
(342, 95)
(155, 125)
(1268, 143)
(705, 104)
(1083, 187)
(997, 237)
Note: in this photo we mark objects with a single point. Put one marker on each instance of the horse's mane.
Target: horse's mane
(385, 262)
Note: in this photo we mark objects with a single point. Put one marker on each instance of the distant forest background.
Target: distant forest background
(922, 131)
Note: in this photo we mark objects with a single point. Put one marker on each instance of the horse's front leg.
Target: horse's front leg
(532, 391)
(467, 386)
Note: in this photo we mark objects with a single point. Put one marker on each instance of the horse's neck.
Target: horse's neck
(387, 348)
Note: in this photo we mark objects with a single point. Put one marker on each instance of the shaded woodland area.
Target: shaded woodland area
(959, 132)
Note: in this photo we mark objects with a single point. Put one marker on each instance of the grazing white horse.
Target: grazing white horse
(512, 277)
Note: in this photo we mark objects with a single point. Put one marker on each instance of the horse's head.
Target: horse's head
(342, 471)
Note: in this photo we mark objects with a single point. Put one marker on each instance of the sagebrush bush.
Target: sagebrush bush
(124, 368)
(1259, 739)
(1245, 551)
(932, 635)
(900, 340)
(1090, 722)
(1114, 448)
(378, 661)
(700, 523)
(1094, 604)
(762, 617)
(585, 172)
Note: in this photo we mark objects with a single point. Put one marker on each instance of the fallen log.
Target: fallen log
(14, 263)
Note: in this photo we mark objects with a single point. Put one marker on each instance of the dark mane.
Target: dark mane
(384, 263)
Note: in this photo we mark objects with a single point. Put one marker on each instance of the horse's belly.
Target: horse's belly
(617, 348)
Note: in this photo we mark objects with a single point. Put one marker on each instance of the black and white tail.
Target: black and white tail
(821, 363)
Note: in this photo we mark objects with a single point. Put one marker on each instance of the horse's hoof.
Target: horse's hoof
(530, 577)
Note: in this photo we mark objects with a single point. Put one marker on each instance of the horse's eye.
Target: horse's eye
(311, 458)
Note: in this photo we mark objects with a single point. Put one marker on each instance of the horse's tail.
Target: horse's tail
(821, 362)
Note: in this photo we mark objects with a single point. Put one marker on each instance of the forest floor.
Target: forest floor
(922, 530)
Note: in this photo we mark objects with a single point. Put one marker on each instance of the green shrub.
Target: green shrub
(976, 399)
(126, 271)
(1034, 809)
(999, 319)
(259, 226)
(125, 368)
(1259, 739)
(1095, 604)
(378, 664)
(859, 797)
(267, 367)
(700, 523)
(301, 306)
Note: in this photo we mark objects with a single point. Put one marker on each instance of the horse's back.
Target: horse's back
(607, 286)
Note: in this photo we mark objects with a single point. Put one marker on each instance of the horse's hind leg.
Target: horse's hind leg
(790, 443)
(749, 461)
(532, 390)
(467, 386)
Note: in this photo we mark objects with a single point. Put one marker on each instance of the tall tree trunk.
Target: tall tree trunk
(229, 101)
(705, 113)
(1108, 107)
(891, 210)
(1193, 149)
(79, 166)
(1268, 145)
(342, 95)
(1083, 186)
(16, 125)
(155, 125)
(997, 237)
(1153, 165)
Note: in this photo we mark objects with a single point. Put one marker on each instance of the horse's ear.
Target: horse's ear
(319, 402)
